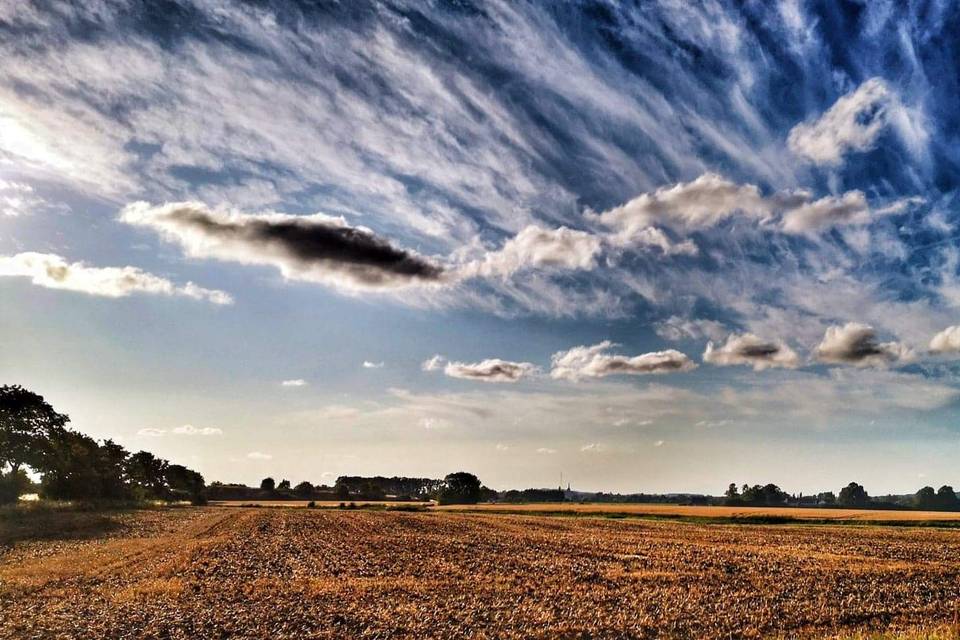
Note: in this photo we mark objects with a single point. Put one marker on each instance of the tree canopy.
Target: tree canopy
(27, 426)
(74, 466)
(460, 488)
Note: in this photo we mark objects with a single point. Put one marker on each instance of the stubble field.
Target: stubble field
(221, 572)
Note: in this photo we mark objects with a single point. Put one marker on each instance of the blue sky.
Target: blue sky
(655, 247)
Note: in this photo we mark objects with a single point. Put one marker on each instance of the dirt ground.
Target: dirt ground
(221, 572)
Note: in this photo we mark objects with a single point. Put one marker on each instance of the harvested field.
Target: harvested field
(323, 504)
(687, 511)
(220, 572)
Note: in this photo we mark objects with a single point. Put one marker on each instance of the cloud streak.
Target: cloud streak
(314, 248)
(55, 272)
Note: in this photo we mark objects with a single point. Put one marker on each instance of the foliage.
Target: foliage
(532, 495)
(304, 489)
(74, 466)
(380, 486)
(853, 495)
(13, 484)
(460, 488)
(268, 484)
(27, 424)
(186, 483)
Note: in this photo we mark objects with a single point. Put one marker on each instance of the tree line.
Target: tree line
(74, 466)
(852, 496)
(456, 488)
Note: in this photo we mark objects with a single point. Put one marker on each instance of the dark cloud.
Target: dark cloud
(856, 344)
(315, 248)
(751, 350)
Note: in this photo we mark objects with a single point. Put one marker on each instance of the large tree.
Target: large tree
(853, 495)
(27, 427)
(186, 483)
(947, 498)
(73, 469)
(460, 488)
(148, 473)
(926, 498)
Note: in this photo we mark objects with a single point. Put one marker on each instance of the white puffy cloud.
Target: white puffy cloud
(749, 349)
(535, 246)
(190, 430)
(150, 432)
(367, 364)
(314, 248)
(702, 203)
(711, 199)
(853, 123)
(490, 370)
(296, 382)
(592, 362)
(850, 208)
(947, 341)
(546, 451)
(54, 272)
(856, 344)
(259, 455)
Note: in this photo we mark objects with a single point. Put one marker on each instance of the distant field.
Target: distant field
(664, 510)
(318, 503)
(716, 512)
(217, 572)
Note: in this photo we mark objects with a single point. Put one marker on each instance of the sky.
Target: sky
(656, 247)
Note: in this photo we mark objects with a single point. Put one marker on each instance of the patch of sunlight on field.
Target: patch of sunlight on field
(866, 515)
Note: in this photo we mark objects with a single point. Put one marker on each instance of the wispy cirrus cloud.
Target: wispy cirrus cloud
(677, 328)
(55, 272)
(184, 430)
